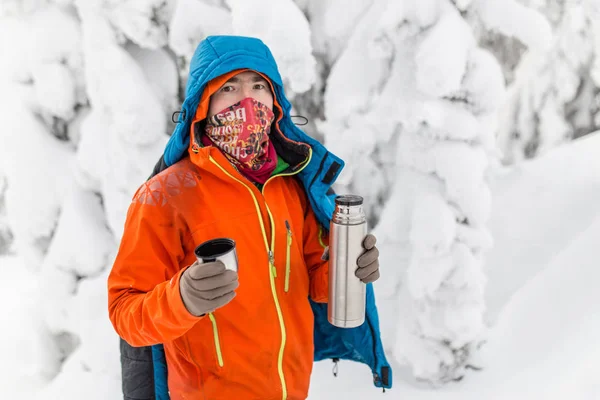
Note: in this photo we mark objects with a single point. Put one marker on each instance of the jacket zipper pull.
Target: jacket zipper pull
(272, 264)
(289, 233)
(288, 256)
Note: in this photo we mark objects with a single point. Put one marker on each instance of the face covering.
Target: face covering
(241, 132)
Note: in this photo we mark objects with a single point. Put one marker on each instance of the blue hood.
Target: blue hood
(217, 55)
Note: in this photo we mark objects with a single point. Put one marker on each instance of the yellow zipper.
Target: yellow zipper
(272, 268)
(288, 256)
(321, 237)
(217, 341)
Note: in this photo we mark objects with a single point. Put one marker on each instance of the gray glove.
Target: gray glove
(368, 262)
(206, 287)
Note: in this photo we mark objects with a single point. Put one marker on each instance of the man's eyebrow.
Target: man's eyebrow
(235, 79)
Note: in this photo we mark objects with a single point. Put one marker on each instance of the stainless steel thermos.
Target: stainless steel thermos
(347, 293)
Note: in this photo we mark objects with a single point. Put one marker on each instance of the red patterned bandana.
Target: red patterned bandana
(241, 132)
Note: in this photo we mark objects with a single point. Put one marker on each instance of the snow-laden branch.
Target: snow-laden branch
(287, 34)
(513, 19)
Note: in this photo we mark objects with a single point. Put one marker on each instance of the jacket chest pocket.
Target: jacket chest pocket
(293, 266)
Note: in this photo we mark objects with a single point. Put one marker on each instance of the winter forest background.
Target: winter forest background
(457, 120)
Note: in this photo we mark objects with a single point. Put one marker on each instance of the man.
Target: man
(249, 174)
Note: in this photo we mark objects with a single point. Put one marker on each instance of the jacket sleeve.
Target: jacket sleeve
(144, 302)
(315, 241)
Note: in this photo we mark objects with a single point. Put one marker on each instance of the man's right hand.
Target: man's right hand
(206, 287)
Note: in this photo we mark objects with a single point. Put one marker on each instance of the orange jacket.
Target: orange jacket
(260, 345)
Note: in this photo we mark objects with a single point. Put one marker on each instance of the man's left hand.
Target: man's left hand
(368, 262)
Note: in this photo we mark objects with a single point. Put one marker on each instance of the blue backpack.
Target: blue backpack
(215, 56)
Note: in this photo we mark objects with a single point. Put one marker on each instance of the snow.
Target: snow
(186, 33)
(114, 73)
(514, 19)
(446, 144)
(160, 71)
(341, 98)
(31, 355)
(96, 369)
(463, 4)
(53, 36)
(450, 40)
(484, 83)
(49, 80)
(56, 288)
(294, 54)
(131, 118)
(448, 121)
(144, 22)
(531, 203)
(65, 199)
(330, 33)
(551, 95)
(485, 266)
(427, 212)
(463, 169)
(361, 101)
(82, 212)
(563, 298)
(92, 154)
(37, 182)
(14, 67)
(595, 71)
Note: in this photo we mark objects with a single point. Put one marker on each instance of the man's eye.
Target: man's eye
(259, 86)
(226, 89)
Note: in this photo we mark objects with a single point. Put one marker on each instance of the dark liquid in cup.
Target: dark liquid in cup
(209, 251)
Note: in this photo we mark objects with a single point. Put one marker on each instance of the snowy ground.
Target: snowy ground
(23, 340)
(546, 344)
(542, 295)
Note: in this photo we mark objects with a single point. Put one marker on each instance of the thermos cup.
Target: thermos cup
(222, 249)
(347, 293)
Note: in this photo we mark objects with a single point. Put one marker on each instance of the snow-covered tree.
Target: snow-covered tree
(131, 91)
(555, 95)
(411, 105)
(407, 94)
(38, 97)
(88, 119)
(5, 233)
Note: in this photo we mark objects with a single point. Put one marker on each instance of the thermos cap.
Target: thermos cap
(349, 200)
